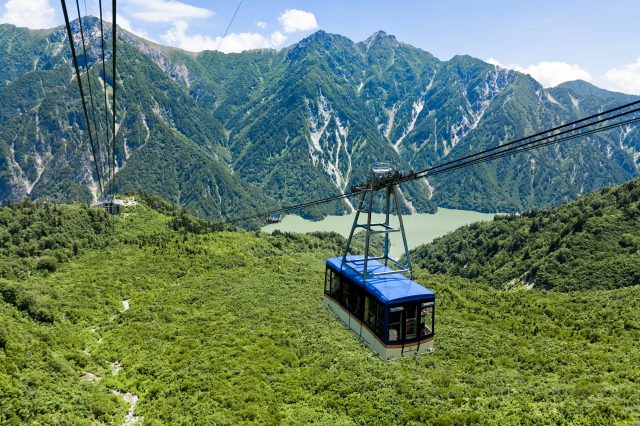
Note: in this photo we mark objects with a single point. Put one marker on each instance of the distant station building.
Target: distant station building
(113, 205)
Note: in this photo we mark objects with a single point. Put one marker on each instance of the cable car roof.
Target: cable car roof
(393, 288)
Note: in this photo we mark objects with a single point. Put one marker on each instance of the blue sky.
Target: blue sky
(554, 41)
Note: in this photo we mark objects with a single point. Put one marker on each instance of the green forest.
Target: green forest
(587, 244)
(223, 326)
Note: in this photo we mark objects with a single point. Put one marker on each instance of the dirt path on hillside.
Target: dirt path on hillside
(130, 419)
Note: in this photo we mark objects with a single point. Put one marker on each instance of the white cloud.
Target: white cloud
(235, 42)
(494, 61)
(549, 74)
(293, 20)
(261, 24)
(164, 10)
(625, 78)
(277, 38)
(125, 23)
(34, 14)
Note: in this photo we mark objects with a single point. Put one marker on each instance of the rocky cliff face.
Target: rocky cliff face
(226, 134)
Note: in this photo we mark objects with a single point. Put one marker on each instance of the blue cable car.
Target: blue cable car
(394, 315)
(274, 218)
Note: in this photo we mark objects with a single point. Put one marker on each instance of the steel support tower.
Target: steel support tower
(382, 177)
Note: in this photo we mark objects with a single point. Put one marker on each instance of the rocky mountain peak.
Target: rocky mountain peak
(380, 38)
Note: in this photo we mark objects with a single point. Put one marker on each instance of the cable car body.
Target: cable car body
(274, 218)
(392, 314)
(376, 296)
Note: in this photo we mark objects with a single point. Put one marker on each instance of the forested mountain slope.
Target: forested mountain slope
(224, 134)
(227, 327)
(590, 243)
(166, 144)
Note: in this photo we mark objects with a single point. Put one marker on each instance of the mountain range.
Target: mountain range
(228, 134)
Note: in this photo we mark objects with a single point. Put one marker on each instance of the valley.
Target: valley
(178, 296)
(227, 327)
(421, 228)
(295, 125)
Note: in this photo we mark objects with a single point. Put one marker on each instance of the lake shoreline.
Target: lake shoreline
(421, 228)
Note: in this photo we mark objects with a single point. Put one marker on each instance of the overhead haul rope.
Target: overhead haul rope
(229, 26)
(88, 75)
(451, 165)
(554, 129)
(84, 104)
(514, 147)
(526, 147)
(113, 106)
(104, 85)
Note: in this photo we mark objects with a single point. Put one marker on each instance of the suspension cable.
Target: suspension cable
(512, 148)
(229, 26)
(554, 129)
(88, 75)
(104, 85)
(113, 106)
(510, 145)
(525, 148)
(84, 105)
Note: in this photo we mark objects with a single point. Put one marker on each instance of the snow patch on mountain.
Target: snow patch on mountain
(574, 102)
(416, 109)
(40, 165)
(91, 183)
(407, 202)
(328, 142)
(552, 99)
(391, 113)
(609, 151)
(430, 187)
(625, 145)
(624, 132)
(318, 123)
(473, 111)
(19, 178)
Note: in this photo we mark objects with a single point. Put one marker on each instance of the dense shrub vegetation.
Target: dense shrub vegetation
(227, 328)
(39, 237)
(590, 243)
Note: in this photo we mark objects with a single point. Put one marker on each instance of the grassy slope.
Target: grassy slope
(590, 243)
(228, 328)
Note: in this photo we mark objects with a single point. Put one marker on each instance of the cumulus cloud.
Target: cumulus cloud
(625, 78)
(236, 42)
(293, 20)
(125, 23)
(549, 74)
(261, 24)
(34, 14)
(164, 10)
(494, 61)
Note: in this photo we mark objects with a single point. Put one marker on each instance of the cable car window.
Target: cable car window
(336, 286)
(346, 291)
(355, 301)
(327, 281)
(379, 321)
(411, 327)
(396, 318)
(426, 319)
(371, 314)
